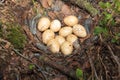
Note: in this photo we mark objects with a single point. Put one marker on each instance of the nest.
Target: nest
(97, 59)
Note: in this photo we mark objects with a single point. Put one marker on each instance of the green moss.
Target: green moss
(13, 33)
(15, 36)
(85, 4)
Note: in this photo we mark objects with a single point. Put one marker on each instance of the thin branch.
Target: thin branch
(105, 68)
(92, 66)
(39, 69)
(115, 58)
(60, 68)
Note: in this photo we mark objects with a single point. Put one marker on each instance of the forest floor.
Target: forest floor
(24, 57)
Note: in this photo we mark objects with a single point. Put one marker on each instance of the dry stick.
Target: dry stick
(29, 61)
(115, 58)
(102, 61)
(47, 61)
(92, 66)
(112, 53)
(103, 66)
(60, 68)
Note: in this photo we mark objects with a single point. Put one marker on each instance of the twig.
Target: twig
(103, 66)
(102, 61)
(22, 55)
(39, 69)
(115, 58)
(92, 66)
(60, 68)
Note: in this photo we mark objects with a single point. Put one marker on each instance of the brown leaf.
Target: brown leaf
(66, 10)
(117, 19)
(46, 3)
(49, 2)
(51, 14)
(60, 78)
(7, 44)
(86, 65)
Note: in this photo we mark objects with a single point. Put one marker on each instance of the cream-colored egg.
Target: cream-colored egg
(71, 38)
(43, 24)
(53, 46)
(79, 30)
(55, 25)
(66, 48)
(65, 31)
(47, 35)
(60, 39)
(71, 20)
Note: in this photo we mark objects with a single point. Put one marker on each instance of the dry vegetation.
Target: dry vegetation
(23, 55)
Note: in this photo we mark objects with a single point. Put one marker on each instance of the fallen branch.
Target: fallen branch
(60, 68)
(85, 5)
(50, 63)
(39, 69)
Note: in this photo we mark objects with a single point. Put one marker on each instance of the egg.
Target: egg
(43, 24)
(71, 38)
(55, 25)
(47, 35)
(53, 46)
(71, 20)
(65, 31)
(66, 48)
(79, 30)
(60, 39)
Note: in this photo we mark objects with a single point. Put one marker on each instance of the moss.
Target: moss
(15, 36)
(86, 5)
(13, 33)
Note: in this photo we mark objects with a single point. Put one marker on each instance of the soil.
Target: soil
(97, 59)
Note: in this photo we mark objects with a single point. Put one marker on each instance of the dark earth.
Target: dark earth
(23, 56)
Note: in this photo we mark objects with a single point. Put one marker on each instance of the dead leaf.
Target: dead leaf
(60, 78)
(46, 3)
(66, 10)
(86, 65)
(49, 2)
(7, 44)
(117, 19)
(51, 14)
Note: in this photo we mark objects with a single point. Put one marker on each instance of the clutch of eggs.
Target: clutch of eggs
(59, 38)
